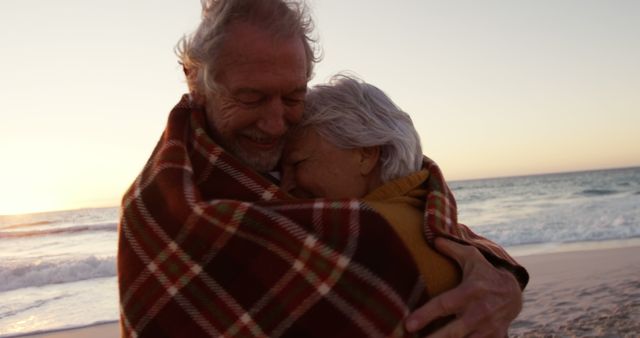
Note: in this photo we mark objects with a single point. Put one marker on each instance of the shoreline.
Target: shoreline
(593, 291)
(551, 248)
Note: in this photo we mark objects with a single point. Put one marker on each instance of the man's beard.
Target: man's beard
(262, 161)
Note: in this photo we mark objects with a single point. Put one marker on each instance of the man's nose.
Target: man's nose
(273, 119)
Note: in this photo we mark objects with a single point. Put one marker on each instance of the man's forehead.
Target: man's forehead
(262, 78)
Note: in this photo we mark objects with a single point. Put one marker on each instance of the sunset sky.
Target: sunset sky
(494, 88)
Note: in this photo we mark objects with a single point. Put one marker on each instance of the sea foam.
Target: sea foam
(23, 274)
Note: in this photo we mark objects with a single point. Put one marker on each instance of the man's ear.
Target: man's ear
(190, 75)
(369, 157)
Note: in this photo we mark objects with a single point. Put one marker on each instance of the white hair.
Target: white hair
(350, 113)
(199, 52)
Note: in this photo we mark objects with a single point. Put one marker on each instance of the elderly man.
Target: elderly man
(210, 246)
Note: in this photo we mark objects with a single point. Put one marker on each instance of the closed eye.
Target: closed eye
(251, 101)
(295, 97)
(292, 101)
(249, 97)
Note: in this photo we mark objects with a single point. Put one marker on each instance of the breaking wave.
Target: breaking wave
(17, 275)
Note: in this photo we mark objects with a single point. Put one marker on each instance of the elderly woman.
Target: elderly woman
(354, 142)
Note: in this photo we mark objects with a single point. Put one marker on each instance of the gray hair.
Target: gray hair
(350, 113)
(198, 53)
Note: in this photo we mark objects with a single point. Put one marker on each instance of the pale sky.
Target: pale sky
(494, 88)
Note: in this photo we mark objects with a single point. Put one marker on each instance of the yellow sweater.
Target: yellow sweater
(401, 203)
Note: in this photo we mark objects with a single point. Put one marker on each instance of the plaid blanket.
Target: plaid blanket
(208, 247)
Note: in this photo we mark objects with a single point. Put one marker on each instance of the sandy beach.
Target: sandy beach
(592, 293)
(581, 294)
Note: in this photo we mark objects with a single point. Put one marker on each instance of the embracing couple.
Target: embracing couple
(270, 209)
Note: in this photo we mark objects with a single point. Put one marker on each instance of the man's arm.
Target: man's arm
(485, 303)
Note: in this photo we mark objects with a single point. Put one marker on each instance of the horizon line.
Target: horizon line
(450, 181)
(635, 166)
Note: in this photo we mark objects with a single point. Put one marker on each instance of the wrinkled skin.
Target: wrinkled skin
(485, 303)
(262, 83)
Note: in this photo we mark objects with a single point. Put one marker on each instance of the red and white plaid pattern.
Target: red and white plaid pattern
(441, 219)
(208, 247)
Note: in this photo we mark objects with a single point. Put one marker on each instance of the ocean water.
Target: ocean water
(542, 213)
(57, 269)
